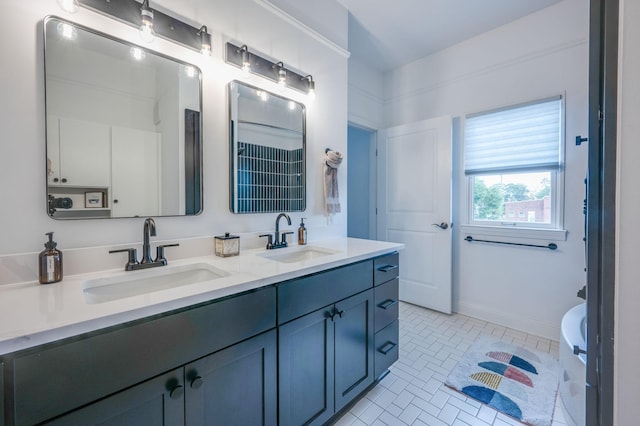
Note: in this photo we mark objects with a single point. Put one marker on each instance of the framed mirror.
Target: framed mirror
(123, 128)
(267, 149)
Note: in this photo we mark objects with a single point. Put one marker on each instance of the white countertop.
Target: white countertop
(32, 314)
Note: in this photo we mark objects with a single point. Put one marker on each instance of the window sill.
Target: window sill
(515, 232)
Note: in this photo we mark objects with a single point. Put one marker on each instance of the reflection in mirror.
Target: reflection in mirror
(123, 128)
(267, 151)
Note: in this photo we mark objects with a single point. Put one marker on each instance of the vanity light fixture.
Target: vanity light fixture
(137, 53)
(151, 23)
(70, 6)
(271, 70)
(146, 17)
(205, 39)
(311, 89)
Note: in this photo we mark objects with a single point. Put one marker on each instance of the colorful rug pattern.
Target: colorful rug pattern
(516, 381)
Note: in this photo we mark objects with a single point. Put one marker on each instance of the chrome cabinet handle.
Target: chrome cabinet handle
(443, 225)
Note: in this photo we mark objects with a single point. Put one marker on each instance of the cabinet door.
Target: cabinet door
(353, 347)
(235, 386)
(85, 154)
(136, 173)
(159, 401)
(306, 366)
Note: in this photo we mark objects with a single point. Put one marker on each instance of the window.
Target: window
(513, 162)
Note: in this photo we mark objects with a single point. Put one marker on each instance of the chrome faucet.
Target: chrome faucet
(273, 241)
(149, 230)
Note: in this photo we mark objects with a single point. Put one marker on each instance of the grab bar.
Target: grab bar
(550, 246)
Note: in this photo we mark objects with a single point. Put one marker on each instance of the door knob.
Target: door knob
(443, 225)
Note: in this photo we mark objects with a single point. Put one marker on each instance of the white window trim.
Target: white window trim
(554, 231)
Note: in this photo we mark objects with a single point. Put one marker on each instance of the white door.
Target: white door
(135, 182)
(414, 196)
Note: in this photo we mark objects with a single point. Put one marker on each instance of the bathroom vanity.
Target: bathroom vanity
(288, 343)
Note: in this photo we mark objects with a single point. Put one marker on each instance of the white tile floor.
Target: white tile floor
(413, 393)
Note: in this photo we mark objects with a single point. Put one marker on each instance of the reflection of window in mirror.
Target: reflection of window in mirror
(142, 110)
(267, 145)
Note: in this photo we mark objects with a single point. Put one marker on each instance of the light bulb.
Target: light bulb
(190, 71)
(311, 87)
(292, 105)
(282, 78)
(246, 59)
(205, 41)
(146, 32)
(70, 6)
(67, 31)
(146, 29)
(137, 53)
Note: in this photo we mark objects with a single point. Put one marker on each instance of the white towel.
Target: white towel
(331, 162)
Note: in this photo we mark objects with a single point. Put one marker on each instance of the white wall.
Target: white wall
(366, 100)
(627, 344)
(264, 29)
(540, 55)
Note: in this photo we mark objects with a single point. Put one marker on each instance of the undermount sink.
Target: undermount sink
(297, 254)
(136, 283)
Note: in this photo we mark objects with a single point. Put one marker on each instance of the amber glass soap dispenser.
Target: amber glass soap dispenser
(50, 261)
(302, 233)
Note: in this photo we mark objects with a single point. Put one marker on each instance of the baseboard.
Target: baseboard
(537, 328)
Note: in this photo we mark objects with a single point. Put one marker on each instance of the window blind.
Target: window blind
(522, 138)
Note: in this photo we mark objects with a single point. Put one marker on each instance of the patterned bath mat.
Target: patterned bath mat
(516, 381)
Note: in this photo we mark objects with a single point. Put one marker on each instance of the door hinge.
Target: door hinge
(600, 115)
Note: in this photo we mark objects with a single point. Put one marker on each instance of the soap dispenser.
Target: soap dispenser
(302, 233)
(50, 262)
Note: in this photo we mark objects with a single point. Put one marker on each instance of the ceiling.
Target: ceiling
(387, 34)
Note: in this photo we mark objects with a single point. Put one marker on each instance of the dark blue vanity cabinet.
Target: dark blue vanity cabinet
(292, 353)
(154, 368)
(327, 339)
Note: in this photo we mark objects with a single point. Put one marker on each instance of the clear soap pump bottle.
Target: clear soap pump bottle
(50, 262)
(302, 233)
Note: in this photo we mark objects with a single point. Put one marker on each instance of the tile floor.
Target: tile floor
(413, 393)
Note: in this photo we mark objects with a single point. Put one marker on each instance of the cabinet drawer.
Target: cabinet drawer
(386, 344)
(46, 382)
(303, 295)
(386, 304)
(386, 268)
